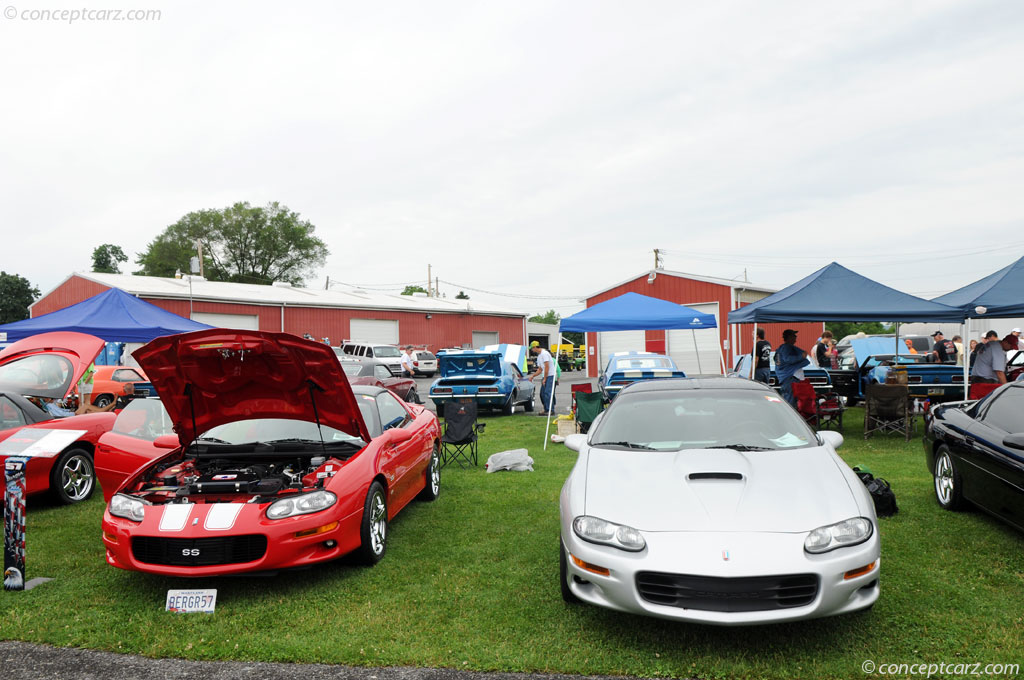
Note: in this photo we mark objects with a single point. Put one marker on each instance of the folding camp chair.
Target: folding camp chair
(459, 440)
(587, 406)
(821, 410)
(888, 408)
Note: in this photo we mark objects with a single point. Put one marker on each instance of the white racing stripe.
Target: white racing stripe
(175, 516)
(222, 516)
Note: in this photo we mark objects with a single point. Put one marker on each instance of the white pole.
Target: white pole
(551, 400)
(695, 350)
(721, 352)
(967, 357)
(753, 354)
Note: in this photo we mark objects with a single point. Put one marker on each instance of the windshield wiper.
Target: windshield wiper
(628, 445)
(213, 440)
(740, 447)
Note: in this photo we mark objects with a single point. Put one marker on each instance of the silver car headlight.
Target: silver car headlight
(596, 530)
(127, 507)
(302, 504)
(839, 535)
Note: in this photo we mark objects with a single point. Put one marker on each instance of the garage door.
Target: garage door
(702, 357)
(610, 342)
(246, 322)
(483, 338)
(382, 331)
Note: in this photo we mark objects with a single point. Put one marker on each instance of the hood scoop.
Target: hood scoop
(697, 476)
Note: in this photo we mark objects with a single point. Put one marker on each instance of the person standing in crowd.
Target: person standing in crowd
(821, 350)
(833, 354)
(789, 363)
(910, 346)
(546, 368)
(408, 367)
(762, 355)
(958, 342)
(990, 365)
(973, 351)
(944, 350)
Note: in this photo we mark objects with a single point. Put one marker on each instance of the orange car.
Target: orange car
(108, 383)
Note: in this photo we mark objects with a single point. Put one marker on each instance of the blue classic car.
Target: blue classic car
(626, 368)
(871, 359)
(486, 376)
(818, 377)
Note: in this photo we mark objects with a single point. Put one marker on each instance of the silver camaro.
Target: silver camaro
(710, 500)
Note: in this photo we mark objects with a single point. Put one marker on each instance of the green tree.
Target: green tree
(462, 296)
(16, 294)
(840, 329)
(409, 290)
(550, 316)
(240, 243)
(107, 258)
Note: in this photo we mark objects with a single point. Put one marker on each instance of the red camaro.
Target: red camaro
(35, 375)
(277, 461)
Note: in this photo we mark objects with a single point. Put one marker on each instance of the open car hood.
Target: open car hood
(47, 365)
(471, 364)
(213, 377)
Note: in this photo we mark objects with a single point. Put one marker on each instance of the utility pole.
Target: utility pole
(657, 258)
(202, 266)
(437, 287)
(429, 279)
(327, 283)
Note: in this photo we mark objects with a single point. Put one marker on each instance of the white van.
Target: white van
(389, 355)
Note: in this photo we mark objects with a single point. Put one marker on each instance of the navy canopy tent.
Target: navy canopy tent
(834, 293)
(113, 315)
(635, 312)
(998, 293)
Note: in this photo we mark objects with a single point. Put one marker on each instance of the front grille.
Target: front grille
(199, 552)
(744, 594)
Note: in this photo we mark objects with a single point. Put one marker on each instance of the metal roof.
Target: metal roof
(287, 295)
(730, 283)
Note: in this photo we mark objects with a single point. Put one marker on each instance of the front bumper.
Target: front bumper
(723, 556)
(284, 549)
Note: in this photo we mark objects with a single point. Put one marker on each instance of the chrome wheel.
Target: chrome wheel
(73, 477)
(945, 482)
(378, 523)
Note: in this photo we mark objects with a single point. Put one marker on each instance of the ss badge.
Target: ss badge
(190, 552)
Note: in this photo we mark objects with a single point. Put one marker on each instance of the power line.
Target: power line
(513, 295)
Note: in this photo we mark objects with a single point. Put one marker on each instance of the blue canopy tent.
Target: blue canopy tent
(113, 315)
(836, 293)
(636, 312)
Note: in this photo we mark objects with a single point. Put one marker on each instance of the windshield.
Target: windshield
(268, 430)
(701, 419)
(43, 375)
(143, 419)
(386, 351)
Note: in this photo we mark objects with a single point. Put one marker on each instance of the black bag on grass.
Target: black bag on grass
(881, 492)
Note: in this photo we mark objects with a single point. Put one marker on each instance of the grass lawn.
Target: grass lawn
(470, 582)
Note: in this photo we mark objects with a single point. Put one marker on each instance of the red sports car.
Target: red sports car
(35, 374)
(370, 372)
(277, 461)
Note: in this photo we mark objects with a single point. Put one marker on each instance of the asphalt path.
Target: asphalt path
(25, 661)
(562, 391)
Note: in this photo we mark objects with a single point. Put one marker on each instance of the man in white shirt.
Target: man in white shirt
(408, 368)
(545, 366)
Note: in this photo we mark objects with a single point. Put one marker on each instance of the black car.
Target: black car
(975, 451)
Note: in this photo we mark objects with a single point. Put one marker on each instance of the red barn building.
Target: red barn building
(339, 315)
(702, 351)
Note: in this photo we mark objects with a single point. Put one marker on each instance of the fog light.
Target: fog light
(854, 573)
(330, 544)
(587, 566)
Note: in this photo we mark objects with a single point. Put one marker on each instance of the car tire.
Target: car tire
(413, 397)
(432, 488)
(429, 375)
(948, 490)
(510, 406)
(530, 404)
(563, 576)
(73, 477)
(103, 401)
(373, 530)
(852, 401)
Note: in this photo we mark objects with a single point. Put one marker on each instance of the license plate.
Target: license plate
(935, 390)
(190, 601)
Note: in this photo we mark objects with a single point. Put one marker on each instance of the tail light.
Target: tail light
(488, 390)
(442, 390)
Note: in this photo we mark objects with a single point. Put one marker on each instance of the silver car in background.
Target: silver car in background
(711, 501)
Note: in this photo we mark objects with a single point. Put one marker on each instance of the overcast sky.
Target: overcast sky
(528, 148)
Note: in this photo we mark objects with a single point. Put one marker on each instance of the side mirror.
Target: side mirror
(167, 441)
(575, 441)
(1014, 441)
(835, 439)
